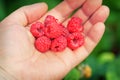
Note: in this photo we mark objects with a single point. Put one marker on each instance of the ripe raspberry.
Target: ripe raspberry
(59, 44)
(49, 19)
(65, 32)
(54, 36)
(37, 29)
(75, 25)
(52, 28)
(53, 31)
(75, 40)
(43, 44)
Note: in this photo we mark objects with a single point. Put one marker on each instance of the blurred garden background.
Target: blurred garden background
(104, 62)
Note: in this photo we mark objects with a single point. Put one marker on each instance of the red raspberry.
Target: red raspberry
(55, 36)
(65, 32)
(52, 28)
(59, 44)
(75, 40)
(43, 44)
(75, 25)
(53, 31)
(37, 29)
(49, 19)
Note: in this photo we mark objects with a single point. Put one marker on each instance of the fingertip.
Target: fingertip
(106, 9)
(104, 12)
(44, 4)
(100, 15)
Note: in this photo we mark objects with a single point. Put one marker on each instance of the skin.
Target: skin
(20, 60)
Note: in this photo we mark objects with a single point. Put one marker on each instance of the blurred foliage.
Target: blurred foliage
(8, 6)
(106, 57)
(2, 10)
(104, 60)
(113, 70)
(19, 3)
(74, 74)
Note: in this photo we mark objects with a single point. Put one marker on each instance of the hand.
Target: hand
(20, 60)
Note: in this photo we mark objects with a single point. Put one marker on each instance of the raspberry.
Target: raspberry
(75, 40)
(37, 29)
(53, 31)
(75, 25)
(43, 44)
(59, 44)
(53, 35)
(50, 19)
(52, 28)
(65, 32)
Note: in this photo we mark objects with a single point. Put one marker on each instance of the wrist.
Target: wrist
(4, 75)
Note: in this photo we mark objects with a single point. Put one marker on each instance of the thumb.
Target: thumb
(26, 14)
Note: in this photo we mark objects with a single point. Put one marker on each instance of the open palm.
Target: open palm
(20, 59)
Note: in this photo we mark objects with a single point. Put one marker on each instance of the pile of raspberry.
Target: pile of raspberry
(52, 35)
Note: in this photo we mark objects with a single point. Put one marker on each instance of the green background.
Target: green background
(105, 59)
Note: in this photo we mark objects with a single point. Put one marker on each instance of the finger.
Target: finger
(89, 7)
(63, 10)
(26, 14)
(73, 58)
(99, 16)
(93, 36)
